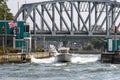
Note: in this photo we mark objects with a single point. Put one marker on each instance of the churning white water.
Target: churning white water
(76, 58)
(85, 58)
(44, 60)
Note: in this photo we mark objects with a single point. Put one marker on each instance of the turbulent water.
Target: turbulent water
(82, 67)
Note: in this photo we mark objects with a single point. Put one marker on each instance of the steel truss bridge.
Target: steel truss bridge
(72, 18)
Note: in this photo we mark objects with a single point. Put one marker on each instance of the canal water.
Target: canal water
(82, 67)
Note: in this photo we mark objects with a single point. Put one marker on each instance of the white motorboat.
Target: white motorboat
(64, 55)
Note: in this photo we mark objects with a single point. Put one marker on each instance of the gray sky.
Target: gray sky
(14, 5)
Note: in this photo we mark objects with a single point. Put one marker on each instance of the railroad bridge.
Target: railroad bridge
(71, 18)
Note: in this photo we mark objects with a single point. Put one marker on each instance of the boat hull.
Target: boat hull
(64, 57)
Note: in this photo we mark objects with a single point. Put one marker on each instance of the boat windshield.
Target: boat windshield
(63, 51)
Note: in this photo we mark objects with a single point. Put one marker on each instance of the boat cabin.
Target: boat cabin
(63, 50)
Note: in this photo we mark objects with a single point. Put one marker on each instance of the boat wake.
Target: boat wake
(45, 60)
(75, 59)
(84, 59)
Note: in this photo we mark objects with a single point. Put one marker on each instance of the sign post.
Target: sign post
(3, 34)
(115, 36)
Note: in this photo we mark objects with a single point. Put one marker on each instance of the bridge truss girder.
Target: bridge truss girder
(71, 17)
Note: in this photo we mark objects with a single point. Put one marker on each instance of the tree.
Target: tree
(3, 8)
(98, 43)
(88, 47)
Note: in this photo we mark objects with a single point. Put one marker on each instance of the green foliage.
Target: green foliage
(9, 50)
(38, 49)
(3, 7)
(1, 52)
(88, 47)
(1, 1)
(76, 49)
(98, 43)
(14, 50)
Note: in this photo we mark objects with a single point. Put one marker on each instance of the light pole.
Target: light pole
(5, 15)
(3, 30)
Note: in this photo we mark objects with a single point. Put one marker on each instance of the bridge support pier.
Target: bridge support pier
(65, 43)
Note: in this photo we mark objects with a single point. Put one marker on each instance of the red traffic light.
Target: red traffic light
(3, 29)
(115, 27)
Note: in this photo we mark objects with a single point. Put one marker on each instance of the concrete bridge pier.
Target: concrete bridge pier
(65, 43)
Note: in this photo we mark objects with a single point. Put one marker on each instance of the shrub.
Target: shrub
(1, 52)
(38, 49)
(88, 47)
(15, 50)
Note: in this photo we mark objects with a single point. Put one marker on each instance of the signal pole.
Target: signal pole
(115, 35)
(5, 22)
(3, 43)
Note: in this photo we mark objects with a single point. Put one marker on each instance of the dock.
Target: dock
(22, 58)
(110, 57)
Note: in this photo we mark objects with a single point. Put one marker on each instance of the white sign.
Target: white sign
(109, 44)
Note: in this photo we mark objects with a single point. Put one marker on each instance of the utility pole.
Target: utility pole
(5, 15)
(115, 36)
(4, 28)
(3, 31)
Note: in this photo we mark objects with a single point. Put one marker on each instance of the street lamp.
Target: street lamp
(4, 28)
(5, 15)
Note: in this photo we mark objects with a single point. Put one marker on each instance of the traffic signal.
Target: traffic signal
(26, 28)
(3, 29)
(116, 29)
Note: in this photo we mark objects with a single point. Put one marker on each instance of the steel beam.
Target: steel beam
(71, 18)
(98, 19)
(88, 16)
(69, 15)
(79, 15)
(61, 11)
(62, 18)
(42, 14)
(73, 9)
(43, 19)
(50, 17)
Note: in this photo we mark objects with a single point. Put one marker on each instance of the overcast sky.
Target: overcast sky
(14, 5)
